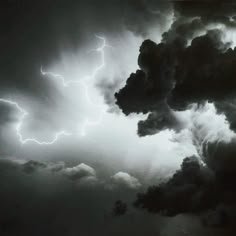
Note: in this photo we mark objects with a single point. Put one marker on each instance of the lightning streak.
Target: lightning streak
(19, 125)
(82, 82)
(65, 83)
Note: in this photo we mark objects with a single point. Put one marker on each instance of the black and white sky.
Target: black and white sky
(117, 100)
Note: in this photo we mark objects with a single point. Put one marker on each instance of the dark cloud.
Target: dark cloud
(181, 75)
(32, 166)
(47, 202)
(192, 65)
(210, 11)
(204, 73)
(206, 189)
(119, 208)
(227, 107)
(158, 121)
(216, 218)
(197, 189)
(219, 156)
(183, 29)
(186, 191)
(147, 89)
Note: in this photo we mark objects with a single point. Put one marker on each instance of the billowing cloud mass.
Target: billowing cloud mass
(195, 188)
(187, 191)
(193, 64)
(176, 75)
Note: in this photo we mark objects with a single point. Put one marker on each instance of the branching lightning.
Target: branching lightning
(82, 82)
(65, 83)
(19, 125)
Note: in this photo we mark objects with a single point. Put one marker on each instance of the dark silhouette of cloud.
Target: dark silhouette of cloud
(187, 191)
(180, 75)
(192, 65)
(194, 189)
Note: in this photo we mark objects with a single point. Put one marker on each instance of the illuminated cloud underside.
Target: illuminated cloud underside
(65, 83)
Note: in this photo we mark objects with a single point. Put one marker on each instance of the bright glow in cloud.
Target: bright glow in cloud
(122, 178)
(21, 121)
(65, 83)
(83, 82)
(111, 138)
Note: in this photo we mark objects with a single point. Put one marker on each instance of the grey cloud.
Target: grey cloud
(45, 202)
(216, 11)
(36, 34)
(32, 166)
(108, 88)
(33, 34)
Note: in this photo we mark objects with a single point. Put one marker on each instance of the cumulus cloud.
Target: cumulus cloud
(125, 179)
(83, 173)
(47, 202)
(80, 171)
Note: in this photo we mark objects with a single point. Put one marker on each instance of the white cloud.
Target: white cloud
(122, 178)
(80, 171)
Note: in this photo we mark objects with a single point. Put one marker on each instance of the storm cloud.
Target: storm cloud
(35, 33)
(180, 79)
(192, 65)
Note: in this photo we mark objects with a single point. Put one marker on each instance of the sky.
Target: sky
(100, 100)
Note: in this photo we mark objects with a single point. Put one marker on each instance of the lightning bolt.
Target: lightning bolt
(82, 82)
(19, 125)
(65, 83)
